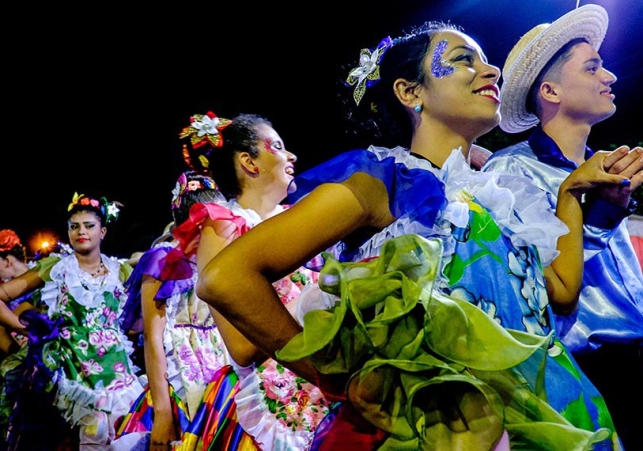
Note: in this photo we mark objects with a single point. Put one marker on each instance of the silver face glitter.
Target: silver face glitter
(440, 67)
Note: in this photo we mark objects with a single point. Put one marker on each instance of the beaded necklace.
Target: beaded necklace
(98, 271)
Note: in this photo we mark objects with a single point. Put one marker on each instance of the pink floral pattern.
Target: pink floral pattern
(295, 403)
(194, 347)
(95, 376)
(278, 408)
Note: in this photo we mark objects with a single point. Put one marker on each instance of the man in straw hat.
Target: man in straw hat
(554, 80)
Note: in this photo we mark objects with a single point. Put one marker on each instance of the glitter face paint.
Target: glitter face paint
(439, 67)
(272, 146)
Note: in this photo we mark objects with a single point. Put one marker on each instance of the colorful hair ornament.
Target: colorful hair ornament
(205, 128)
(81, 199)
(184, 185)
(367, 73)
(185, 153)
(203, 160)
(8, 240)
(109, 209)
(179, 189)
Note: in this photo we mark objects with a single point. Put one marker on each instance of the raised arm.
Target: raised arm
(216, 235)
(238, 281)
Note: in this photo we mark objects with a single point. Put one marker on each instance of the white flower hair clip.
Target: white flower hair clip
(205, 128)
(368, 72)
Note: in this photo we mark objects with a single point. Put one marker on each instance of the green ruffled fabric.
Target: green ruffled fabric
(44, 266)
(433, 371)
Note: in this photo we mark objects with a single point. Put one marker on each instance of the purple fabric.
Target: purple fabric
(35, 422)
(323, 428)
(40, 329)
(548, 151)
(151, 263)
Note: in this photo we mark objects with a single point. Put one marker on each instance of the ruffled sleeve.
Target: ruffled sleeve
(412, 191)
(150, 263)
(520, 207)
(125, 270)
(179, 265)
(190, 230)
(44, 267)
(415, 191)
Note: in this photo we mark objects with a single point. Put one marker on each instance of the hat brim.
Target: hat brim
(534, 50)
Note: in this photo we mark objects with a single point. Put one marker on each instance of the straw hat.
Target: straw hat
(534, 50)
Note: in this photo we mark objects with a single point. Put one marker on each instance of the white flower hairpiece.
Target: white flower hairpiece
(368, 72)
(205, 128)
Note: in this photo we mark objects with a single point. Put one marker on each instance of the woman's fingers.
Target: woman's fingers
(626, 164)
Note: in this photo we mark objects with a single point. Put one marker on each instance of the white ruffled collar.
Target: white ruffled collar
(85, 289)
(518, 206)
(252, 217)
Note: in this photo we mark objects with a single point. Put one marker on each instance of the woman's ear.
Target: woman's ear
(247, 163)
(406, 92)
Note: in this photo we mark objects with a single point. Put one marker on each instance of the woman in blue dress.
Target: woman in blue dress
(432, 321)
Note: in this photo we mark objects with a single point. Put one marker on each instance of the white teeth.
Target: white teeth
(487, 92)
(290, 171)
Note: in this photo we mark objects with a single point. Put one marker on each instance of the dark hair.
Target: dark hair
(105, 210)
(18, 251)
(240, 136)
(204, 195)
(380, 116)
(88, 207)
(560, 57)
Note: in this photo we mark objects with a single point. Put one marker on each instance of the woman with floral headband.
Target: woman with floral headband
(433, 321)
(253, 169)
(182, 346)
(78, 358)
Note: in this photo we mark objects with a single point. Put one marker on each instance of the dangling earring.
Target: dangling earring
(418, 108)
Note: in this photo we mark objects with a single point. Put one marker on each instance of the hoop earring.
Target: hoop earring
(418, 108)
